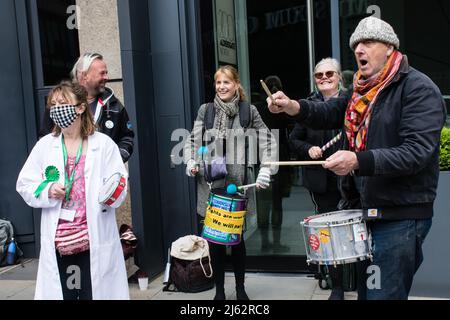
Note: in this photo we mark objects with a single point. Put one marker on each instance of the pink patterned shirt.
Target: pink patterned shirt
(73, 237)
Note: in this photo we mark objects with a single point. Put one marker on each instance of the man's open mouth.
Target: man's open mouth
(363, 62)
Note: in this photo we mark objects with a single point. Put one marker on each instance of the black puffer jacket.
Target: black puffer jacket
(399, 169)
(112, 120)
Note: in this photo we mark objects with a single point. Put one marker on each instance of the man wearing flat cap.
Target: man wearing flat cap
(389, 163)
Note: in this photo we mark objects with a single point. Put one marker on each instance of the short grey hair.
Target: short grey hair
(333, 62)
(83, 64)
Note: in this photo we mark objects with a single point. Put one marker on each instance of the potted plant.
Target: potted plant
(444, 162)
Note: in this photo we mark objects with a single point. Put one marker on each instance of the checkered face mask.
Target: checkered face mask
(64, 115)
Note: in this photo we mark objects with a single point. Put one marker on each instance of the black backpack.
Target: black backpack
(244, 115)
(244, 120)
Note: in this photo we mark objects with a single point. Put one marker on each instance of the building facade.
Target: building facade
(162, 55)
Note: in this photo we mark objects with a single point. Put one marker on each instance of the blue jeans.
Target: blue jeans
(397, 252)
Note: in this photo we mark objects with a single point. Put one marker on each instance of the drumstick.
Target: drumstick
(232, 189)
(332, 142)
(248, 186)
(266, 89)
(295, 163)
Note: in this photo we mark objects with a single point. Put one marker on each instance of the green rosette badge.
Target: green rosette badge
(51, 175)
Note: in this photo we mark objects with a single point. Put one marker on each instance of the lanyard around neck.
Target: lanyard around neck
(69, 182)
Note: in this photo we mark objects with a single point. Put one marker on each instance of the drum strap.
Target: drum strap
(246, 161)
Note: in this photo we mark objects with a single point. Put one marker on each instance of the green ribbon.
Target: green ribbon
(51, 175)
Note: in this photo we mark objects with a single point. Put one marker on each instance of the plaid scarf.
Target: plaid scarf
(359, 110)
(225, 112)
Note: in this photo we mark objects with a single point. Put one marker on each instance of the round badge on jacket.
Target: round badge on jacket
(109, 124)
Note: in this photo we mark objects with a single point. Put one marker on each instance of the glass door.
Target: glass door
(279, 54)
(270, 42)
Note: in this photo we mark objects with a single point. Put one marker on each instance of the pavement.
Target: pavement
(18, 283)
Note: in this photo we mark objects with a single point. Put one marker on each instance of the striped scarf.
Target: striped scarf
(366, 92)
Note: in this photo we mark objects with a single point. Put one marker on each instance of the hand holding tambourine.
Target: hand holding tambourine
(113, 191)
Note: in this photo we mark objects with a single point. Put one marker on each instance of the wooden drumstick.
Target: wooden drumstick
(248, 186)
(295, 163)
(266, 89)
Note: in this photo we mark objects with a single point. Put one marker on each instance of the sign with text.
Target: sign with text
(226, 32)
(224, 221)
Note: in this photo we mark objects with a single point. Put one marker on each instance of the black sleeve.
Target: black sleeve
(126, 140)
(323, 115)
(298, 143)
(47, 124)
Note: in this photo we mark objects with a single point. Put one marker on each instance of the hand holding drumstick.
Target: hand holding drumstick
(317, 153)
(279, 102)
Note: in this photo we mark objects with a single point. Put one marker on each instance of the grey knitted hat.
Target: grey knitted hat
(372, 28)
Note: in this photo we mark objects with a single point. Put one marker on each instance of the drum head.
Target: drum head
(336, 217)
(108, 188)
(224, 194)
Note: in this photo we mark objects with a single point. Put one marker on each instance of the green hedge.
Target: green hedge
(444, 162)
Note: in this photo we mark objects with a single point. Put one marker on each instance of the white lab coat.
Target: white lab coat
(108, 272)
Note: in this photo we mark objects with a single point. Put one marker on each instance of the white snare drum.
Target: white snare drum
(337, 238)
(112, 193)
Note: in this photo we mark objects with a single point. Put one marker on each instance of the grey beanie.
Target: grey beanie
(372, 28)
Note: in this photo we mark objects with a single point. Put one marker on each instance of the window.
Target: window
(59, 43)
(422, 27)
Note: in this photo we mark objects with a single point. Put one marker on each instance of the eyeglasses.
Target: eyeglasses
(328, 74)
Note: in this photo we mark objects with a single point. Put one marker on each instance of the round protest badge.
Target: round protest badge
(314, 242)
(109, 124)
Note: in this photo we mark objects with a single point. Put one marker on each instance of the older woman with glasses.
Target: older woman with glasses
(308, 143)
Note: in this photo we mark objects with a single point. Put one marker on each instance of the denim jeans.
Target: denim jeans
(397, 255)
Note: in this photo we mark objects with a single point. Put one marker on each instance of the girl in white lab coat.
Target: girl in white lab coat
(81, 256)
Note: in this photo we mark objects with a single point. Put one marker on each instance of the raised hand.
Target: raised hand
(282, 103)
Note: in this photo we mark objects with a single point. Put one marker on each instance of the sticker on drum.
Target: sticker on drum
(360, 232)
(314, 242)
(324, 236)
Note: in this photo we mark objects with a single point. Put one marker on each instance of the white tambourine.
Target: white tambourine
(113, 191)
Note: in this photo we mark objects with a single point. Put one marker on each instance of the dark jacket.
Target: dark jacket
(315, 178)
(283, 124)
(399, 170)
(111, 110)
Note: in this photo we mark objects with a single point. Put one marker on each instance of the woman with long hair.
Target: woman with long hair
(228, 103)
